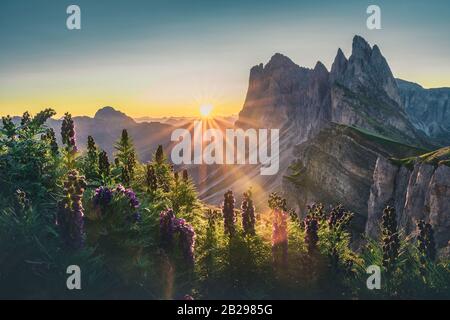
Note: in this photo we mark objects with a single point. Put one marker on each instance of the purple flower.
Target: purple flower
(134, 202)
(187, 239)
(102, 196)
(167, 227)
(130, 194)
(120, 188)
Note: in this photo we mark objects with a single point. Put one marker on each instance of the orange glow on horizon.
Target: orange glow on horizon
(88, 107)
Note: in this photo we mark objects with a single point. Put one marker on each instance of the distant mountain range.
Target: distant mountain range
(181, 121)
(106, 127)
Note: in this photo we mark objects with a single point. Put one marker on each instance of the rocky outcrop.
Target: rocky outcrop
(428, 109)
(438, 204)
(274, 92)
(366, 68)
(284, 96)
(382, 193)
(418, 192)
(364, 93)
(337, 166)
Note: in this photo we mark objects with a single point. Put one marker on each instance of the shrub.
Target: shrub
(279, 229)
(390, 238)
(69, 141)
(229, 217)
(248, 213)
(104, 167)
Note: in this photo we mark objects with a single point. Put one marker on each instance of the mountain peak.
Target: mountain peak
(109, 113)
(339, 64)
(340, 55)
(320, 66)
(279, 60)
(320, 69)
(360, 47)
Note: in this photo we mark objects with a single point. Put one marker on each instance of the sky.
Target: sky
(169, 57)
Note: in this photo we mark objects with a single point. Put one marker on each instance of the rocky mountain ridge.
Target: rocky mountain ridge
(359, 91)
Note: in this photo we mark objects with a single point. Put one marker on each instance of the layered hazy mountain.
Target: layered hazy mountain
(183, 121)
(107, 125)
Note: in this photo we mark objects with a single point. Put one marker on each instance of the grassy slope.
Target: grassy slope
(437, 157)
(391, 145)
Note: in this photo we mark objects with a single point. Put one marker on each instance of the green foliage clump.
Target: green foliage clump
(28, 162)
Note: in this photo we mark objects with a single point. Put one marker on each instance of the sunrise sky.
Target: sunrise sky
(169, 57)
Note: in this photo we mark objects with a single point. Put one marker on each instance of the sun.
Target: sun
(205, 110)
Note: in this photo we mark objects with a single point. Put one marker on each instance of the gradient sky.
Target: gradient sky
(155, 58)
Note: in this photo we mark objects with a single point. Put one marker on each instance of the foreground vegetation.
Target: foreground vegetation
(139, 231)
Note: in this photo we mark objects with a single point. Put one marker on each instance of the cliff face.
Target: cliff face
(337, 166)
(418, 190)
(428, 109)
(285, 96)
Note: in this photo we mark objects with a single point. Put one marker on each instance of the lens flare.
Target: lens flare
(205, 110)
